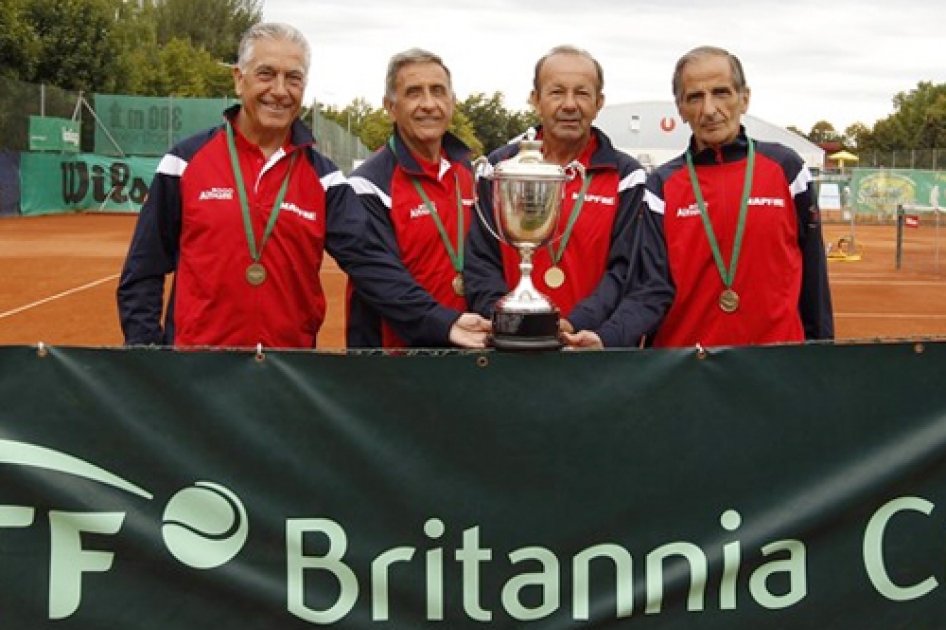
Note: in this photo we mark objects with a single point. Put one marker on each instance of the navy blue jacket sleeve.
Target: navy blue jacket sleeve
(650, 290)
(377, 273)
(595, 309)
(814, 305)
(152, 255)
(363, 327)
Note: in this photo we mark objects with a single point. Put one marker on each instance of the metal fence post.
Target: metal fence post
(900, 213)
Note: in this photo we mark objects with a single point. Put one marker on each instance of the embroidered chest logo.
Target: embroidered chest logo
(767, 202)
(693, 210)
(308, 215)
(420, 211)
(217, 194)
(601, 200)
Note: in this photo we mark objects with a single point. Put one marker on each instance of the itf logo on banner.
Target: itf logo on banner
(204, 526)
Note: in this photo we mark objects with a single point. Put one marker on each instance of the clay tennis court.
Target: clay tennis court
(58, 276)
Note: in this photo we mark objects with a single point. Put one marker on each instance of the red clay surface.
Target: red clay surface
(58, 276)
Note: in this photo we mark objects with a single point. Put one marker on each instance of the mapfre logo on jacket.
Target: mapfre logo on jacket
(219, 194)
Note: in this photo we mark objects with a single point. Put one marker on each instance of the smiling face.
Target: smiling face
(709, 100)
(567, 98)
(422, 107)
(270, 85)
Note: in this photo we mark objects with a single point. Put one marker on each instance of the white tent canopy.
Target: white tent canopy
(653, 132)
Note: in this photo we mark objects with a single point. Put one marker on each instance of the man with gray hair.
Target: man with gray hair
(241, 215)
(418, 190)
(740, 222)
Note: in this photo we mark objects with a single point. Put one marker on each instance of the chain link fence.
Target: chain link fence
(19, 101)
(923, 159)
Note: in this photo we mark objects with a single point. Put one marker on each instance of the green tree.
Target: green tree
(76, 43)
(213, 25)
(493, 124)
(375, 129)
(823, 131)
(185, 71)
(918, 121)
(461, 127)
(19, 45)
(857, 136)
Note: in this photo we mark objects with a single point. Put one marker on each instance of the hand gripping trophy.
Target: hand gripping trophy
(527, 201)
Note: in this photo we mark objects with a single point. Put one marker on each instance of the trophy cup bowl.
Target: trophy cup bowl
(527, 200)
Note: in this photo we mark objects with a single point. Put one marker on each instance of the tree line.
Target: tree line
(918, 122)
(185, 48)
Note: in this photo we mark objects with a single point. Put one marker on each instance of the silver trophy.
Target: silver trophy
(527, 201)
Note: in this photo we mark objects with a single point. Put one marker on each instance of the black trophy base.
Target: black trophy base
(525, 332)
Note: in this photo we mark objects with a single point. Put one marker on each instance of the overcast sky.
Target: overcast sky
(806, 60)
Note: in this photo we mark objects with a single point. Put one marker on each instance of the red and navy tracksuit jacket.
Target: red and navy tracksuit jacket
(603, 289)
(383, 183)
(191, 225)
(781, 273)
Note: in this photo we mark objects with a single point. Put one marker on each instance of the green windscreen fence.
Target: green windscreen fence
(140, 125)
(55, 182)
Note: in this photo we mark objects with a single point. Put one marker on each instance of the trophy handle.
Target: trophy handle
(482, 168)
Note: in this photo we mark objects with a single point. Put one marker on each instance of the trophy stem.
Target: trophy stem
(525, 319)
(525, 272)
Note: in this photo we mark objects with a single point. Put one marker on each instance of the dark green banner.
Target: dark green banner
(144, 125)
(54, 134)
(58, 183)
(790, 487)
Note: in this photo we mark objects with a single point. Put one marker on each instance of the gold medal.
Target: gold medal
(554, 277)
(729, 301)
(256, 274)
(458, 287)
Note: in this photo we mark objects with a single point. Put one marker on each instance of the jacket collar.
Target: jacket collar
(453, 147)
(604, 157)
(732, 152)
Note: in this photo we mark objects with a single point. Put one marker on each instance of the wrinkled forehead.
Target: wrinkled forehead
(568, 70)
(708, 74)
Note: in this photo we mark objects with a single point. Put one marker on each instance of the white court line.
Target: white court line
(892, 315)
(59, 295)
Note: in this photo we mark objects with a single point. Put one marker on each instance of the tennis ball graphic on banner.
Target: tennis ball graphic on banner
(205, 525)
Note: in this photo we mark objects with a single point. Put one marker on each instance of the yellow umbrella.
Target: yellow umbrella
(843, 156)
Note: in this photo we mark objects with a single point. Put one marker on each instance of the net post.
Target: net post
(900, 213)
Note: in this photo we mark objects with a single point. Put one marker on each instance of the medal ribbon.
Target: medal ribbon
(572, 218)
(456, 256)
(727, 277)
(244, 203)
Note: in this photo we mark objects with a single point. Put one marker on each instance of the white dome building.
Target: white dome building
(653, 132)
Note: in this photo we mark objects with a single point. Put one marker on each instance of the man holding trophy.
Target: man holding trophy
(417, 190)
(561, 223)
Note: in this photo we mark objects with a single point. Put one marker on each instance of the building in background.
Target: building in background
(653, 132)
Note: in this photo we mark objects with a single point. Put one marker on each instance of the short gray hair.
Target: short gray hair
(272, 30)
(701, 52)
(567, 49)
(406, 58)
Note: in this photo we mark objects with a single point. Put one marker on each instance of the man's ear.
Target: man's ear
(745, 100)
